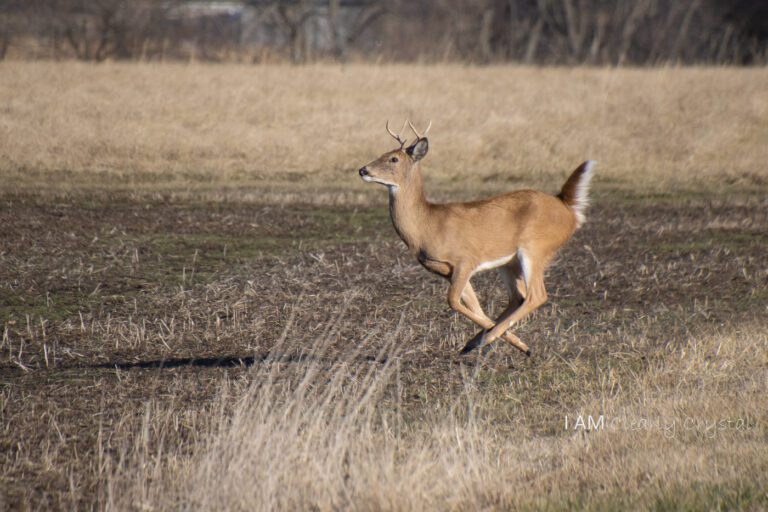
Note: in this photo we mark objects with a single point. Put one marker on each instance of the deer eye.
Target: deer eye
(394, 159)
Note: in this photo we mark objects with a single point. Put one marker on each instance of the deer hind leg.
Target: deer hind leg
(470, 299)
(535, 295)
(512, 276)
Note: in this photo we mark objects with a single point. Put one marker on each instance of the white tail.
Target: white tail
(517, 233)
(575, 192)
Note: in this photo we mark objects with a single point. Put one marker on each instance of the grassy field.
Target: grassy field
(203, 307)
(218, 128)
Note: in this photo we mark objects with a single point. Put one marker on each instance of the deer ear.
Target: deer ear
(418, 149)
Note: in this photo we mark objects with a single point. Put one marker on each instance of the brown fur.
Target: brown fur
(513, 232)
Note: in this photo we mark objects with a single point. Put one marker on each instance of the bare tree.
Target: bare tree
(359, 25)
(645, 32)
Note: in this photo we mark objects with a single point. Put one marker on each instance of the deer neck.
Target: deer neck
(410, 210)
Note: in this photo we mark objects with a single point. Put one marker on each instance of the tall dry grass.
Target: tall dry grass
(142, 126)
(301, 434)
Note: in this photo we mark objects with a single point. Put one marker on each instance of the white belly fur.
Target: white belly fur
(488, 265)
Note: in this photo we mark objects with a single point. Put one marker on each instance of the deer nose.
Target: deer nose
(363, 171)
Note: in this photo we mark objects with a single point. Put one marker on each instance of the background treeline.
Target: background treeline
(637, 32)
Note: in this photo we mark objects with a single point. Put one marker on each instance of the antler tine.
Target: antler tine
(390, 131)
(397, 136)
(420, 135)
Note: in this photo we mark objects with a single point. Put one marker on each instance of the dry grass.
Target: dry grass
(68, 125)
(208, 340)
(310, 436)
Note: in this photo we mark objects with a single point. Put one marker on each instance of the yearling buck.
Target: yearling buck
(517, 233)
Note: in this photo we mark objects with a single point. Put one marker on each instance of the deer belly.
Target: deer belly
(488, 265)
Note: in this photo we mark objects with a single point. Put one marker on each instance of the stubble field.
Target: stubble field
(203, 307)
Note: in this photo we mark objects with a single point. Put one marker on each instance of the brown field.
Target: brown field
(202, 306)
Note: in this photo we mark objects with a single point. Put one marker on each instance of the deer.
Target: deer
(517, 233)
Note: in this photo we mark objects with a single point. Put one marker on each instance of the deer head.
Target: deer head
(393, 168)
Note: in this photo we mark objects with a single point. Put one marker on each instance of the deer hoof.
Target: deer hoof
(477, 341)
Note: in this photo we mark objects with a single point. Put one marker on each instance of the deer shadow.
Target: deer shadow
(232, 361)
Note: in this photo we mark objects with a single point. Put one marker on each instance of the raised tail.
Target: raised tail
(575, 192)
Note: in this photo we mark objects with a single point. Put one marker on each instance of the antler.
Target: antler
(420, 135)
(397, 136)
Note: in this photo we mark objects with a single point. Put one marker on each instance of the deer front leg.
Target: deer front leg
(512, 276)
(459, 282)
(461, 288)
(470, 299)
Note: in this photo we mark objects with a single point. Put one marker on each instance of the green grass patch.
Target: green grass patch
(55, 306)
